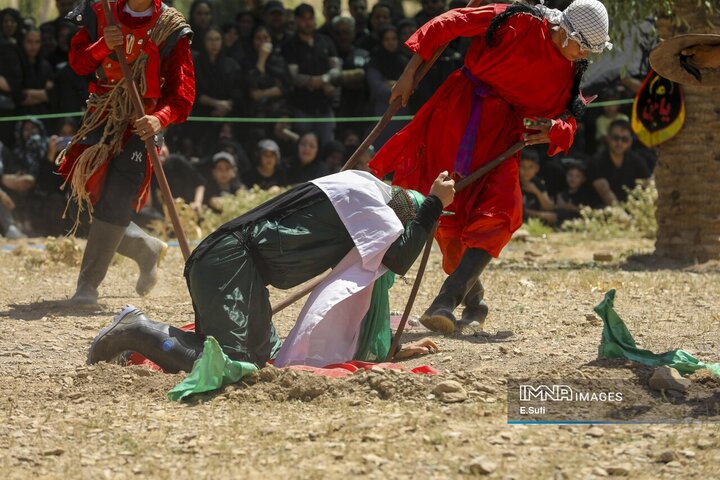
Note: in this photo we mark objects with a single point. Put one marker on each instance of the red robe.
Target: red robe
(176, 84)
(528, 77)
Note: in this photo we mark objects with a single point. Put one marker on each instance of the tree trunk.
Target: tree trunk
(688, 170)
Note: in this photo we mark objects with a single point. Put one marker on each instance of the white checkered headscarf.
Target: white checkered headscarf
(585, 21)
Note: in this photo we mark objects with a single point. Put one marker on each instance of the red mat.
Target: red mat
(336, 370)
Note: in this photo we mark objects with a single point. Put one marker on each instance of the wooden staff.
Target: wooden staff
(362, 148)
(459, 186)
(149, 143)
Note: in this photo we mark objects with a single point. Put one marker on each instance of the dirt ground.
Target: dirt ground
(62, 419)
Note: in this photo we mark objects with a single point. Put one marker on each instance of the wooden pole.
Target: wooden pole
(149, 143)
(459, 186)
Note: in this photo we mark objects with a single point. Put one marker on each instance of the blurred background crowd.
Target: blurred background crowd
(275, 61)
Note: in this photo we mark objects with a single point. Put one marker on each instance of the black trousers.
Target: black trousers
(125, 176)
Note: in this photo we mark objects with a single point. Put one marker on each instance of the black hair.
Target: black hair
(196, 3)
(18, 19)
(302, 9)
(620, 123)
(575, 106)
(529, 154)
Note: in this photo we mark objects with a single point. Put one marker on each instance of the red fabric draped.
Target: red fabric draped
(528, 77)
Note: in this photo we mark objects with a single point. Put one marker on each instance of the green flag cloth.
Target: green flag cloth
(211, 371)
(617, 342)
(375, 336)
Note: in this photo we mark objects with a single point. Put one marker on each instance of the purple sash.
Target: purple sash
(463, 159)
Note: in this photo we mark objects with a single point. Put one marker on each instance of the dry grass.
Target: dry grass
(59, 418)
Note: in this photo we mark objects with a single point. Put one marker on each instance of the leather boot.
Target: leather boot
(439, 316)
(102, 242)
(171, 348)
(476, 310)
(147, 252)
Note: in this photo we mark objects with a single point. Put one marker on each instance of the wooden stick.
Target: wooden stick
(413, 293)
(306, 288)
(459, 186)
(149, 143)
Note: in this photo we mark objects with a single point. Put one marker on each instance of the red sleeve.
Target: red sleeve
(84, 55)
(461, 22)
(178, 91)
(561, 136)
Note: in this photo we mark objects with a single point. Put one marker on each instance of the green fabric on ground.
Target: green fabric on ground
(211, 371)
(617, 342)
(375, 336)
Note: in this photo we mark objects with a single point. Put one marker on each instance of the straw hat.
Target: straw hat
(667, 60)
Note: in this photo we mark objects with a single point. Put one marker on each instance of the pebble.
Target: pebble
(667, 456)
(667, 378)
(704, 443)
(53, 452)
(450, 391)
(600, 472)
(595, 432)
(618, 471)
(481, 466)
(603, 257)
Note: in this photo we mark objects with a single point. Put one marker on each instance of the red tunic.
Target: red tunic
(176, 83)
(528, 77)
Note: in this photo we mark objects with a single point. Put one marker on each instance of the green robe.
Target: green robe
(283, 246)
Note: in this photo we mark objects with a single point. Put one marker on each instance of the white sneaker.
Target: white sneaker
(14, 233)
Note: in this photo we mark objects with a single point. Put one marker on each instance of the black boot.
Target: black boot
(476, 310)
(439, 316)
(102, 242)
(147, 252)
(171, 348)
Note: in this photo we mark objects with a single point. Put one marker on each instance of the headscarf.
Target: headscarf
(389, 64)
(585, 21)
(405, 203)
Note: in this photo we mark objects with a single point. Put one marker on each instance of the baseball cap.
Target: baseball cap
(304, 8)
(269, 145)
(274, 6)
(220, 156)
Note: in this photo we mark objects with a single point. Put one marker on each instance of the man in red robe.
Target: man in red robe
(525, 63)
(106, 163)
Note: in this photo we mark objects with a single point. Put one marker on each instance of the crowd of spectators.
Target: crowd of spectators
(271, 62)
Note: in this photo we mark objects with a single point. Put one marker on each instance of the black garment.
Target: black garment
(35, 77)
(11, 69)
(69, 91)
(311, 60)
(212, 189)
(354, 99)
(182, 177)
(277, 179)
(220, 80)
(449, 61)
(125, 175)
(276, 74)
(389, 64)
(632, 169)
(298, 173)
(307, 202)
(530, 201)
(585, 196)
